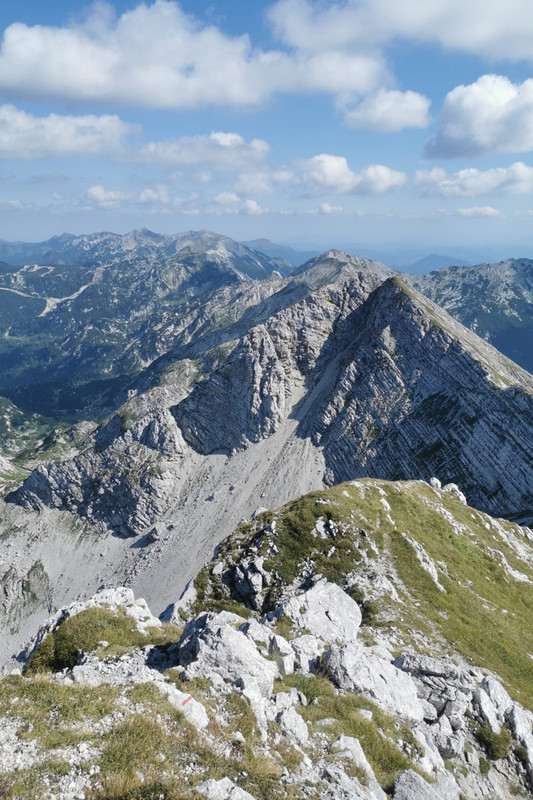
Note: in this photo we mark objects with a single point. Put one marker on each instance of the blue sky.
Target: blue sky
(361, 122)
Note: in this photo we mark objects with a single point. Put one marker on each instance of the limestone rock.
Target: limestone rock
(211, 647)
(350, 747)
(410, 786)
(224, 789)
(326, 611)
(355, 669)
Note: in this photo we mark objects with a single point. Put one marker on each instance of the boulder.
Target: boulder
(410, 786)
(283, 653)
(293, 725)
(192, 710)
(350, 747)
(186, 599)
(341, 787)
(325, 611)
(355, 669)
(212, 647)
(307, 650)
(224, 789)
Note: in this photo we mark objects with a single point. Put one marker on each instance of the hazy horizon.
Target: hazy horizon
(318, 124)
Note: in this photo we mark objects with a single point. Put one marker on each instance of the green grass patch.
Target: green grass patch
(48, 709)
(59, 650)
(377, 736)
(495, 745)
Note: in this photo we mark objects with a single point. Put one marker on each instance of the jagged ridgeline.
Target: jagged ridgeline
(495, 300)
(339, 371)
(366, 641)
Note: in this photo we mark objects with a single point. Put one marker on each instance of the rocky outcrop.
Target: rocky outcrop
(440, 755)
(379, 381)
(356, 669)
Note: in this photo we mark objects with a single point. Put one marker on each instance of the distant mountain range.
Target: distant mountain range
(494, 300)
(289, 254)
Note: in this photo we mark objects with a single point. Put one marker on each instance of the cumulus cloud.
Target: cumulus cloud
(326, 208)
(105, 198)
(218, 149)
(159, 194)
(102, 197)
(377, 179)
(515, 179)
(491, 28)
(25, 136)
(328, 174)
(492, 115)
(253, 208)
(390, 111)
(225, 198)
(477, 211)
(264, 181)
(160, 57)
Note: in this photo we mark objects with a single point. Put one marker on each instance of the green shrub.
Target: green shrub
(521, 754)
(496, 745)
(484, 766)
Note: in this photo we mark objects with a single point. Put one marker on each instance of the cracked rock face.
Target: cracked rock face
(378, 380)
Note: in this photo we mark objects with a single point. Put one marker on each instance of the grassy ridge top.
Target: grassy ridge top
(462, 581)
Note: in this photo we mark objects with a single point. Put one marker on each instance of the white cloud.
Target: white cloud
(489, 28)
(492, 115)
(220, 150)
(515, 179)
(159, 194)
(483, 211)
(253, 208)
(326, 208)
(390, 111)
(264, 181)
(160, 57)
(226, 197)
(377, 179)
(25, 136)
(105, 198)
(327, 174)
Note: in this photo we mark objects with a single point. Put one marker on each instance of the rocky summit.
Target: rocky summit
(252, 450)
(364, 642)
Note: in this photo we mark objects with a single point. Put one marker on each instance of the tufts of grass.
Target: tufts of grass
(133, 745)
(49, 710)
(377, 736)
(495, 745)
(59, 650)
(122, 788)
(484, 766)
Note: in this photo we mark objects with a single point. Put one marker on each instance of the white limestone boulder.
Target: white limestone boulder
(213, 647)
(325, 611)
(410, 786)
(349, 747)
(355, 668)
(224, 789)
